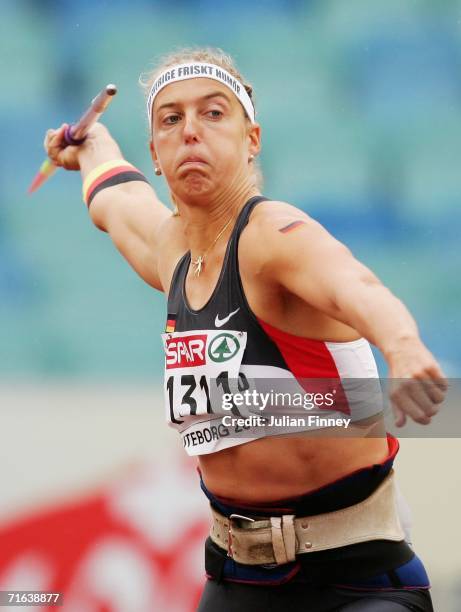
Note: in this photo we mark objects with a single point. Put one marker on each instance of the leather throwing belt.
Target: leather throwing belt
(278, 539)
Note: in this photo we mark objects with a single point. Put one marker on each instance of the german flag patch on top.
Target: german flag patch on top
(170, 323)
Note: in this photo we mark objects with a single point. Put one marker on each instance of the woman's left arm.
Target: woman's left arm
(306, 260)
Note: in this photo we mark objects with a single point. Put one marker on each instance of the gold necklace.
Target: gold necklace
(197, 264)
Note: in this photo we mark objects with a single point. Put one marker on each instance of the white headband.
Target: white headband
(181, 72)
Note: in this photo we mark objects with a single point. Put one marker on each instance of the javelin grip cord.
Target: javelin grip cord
(76, 133)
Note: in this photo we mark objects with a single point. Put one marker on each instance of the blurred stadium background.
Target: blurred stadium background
(360, 104)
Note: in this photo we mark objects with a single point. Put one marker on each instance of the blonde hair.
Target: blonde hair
(209, 55)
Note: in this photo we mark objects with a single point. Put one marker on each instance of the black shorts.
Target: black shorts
(299, 597)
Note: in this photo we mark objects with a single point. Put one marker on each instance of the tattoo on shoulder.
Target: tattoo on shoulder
(292, 226)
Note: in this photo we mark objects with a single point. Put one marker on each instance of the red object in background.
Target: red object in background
(135, 546)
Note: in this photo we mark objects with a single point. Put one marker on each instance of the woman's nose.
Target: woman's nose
(191, 128)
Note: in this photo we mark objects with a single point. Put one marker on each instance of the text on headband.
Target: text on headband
(181, 72)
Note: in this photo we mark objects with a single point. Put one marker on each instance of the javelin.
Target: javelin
(76, 133)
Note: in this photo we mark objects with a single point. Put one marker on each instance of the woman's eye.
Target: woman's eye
(172, 119)
(215, 113)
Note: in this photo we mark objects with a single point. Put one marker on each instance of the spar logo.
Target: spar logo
(185, 352)
(223, 347)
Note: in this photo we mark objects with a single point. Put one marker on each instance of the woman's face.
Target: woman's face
(201, 138)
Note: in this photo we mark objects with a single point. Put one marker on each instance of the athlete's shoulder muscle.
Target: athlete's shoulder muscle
(294, 252)
(266, 221)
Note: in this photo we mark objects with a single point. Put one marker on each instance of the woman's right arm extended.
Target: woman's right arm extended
(129, 212)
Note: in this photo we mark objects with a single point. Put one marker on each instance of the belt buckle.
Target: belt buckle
(229, 531)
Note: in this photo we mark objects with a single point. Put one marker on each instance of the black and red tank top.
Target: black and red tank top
(225, 368)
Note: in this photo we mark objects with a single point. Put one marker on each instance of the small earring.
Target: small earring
(157, 171)
(251, 158)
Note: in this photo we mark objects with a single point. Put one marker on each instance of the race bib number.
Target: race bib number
(201, 366)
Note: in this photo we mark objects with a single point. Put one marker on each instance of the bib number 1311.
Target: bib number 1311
(192, 395)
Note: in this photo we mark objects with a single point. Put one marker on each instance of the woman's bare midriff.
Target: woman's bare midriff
(287, 466)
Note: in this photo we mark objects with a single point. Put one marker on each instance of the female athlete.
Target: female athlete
(259, 291)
